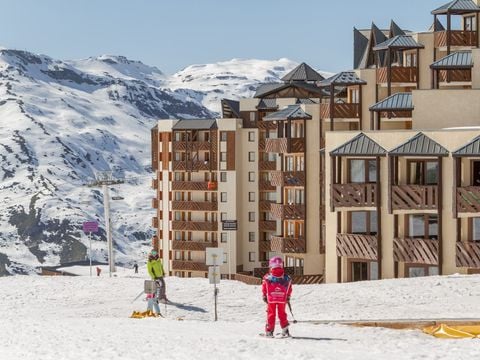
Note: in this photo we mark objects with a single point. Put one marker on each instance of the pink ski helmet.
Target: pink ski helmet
(275, 262)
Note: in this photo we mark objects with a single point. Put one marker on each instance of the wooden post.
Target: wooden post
(389, 73)
(360, 110)
(333, 175)
(390, 183)
(372, 120)
(456, 171)
(418, 68)
(433, 80)
(379, 218)
(440, 216)
(378, 120)
(449, 32)
(339, 258)
(477, 18)
(332, 105)
(434, 36)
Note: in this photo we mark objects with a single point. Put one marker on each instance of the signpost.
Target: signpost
(89, 227)
(212, 258)
(229, 225)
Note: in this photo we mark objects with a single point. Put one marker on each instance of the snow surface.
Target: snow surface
(46, 318)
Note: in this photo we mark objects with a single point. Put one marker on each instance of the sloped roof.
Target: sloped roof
(457, 7)
(302, 72)
(343, 78)
(359, 145)
(267, 89)
(305, 101)
(376, 37)
(267, 104)
(398, 101)
(195, 124)
(471, 149)
(230, 108)
(419, 145)
(437, 26)
(399, 42)
(459, 59)
(291, 112)
(395, 30)
(360, 44)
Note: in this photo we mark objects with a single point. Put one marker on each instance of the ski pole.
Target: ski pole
(290, 308)
(137, 297)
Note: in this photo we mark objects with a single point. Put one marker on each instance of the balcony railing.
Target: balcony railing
(468, 254)
(357, 246)
(284, 145)
(154, 184)
(264, 246)
(288, 212)
(192, 245)
(288, 178)
(191, 146)
(267, 225)
(190, 186)
(264, 185)
(187, 265)
(414, 197)
(457, 38)
(265, 205)
(458, 75)
(194, 206)
(155, 222)
(468, 199)
(194, 165)
(195, 225)
(340, 111)
(267, 165)
(354, 195)
(416, 251)
(399, 74)
(288, 245)
(155, 203)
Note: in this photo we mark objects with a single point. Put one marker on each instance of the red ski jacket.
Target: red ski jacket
(277, 289)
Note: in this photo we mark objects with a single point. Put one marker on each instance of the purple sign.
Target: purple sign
(90, 226)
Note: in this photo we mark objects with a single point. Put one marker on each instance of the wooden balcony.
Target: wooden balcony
(155, 222)
(191, 146)
(195, 225)
(288, 212)
(414, 197)
(194, 206)
(267, 225)
(264, 246)
(340, 111)
(266, 186)
(155, 184)
(416, 251)
(396, 114)
(155, 203)
(266, 125)
(399, 74)
(468, 199)
(192, 245)
(357, 246)
(284, 145)
(354, 195)
(190, 186)
(265, 205)
(468, 254)
(457, 38)
(458, 75)
(187, 265)
(288, 245)
(288, 178)
(194, 165)
(267, 165)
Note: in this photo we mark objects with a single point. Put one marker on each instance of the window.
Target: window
(178, 196)
(223, 197)
(223, 156)
(475, 236)
(251, 236)
(251, 196)
(422, 172)
(223, 237)
(178, 216)
(251, 256)
(223, 176)
(362, 171)
(253, 116)
(223, 216)
(225, 258)
(363, 222)
(178, 235)
(179, 176)
(251, 156)
(251, 216)
(251, 176)
(419, 270)
(223, 136)
(423, 226)
(469, 23)
(178, 255)
(251, 136)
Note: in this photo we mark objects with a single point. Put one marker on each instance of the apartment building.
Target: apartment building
(338, 176)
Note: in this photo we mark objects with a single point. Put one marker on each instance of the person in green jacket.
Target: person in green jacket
(156, 272)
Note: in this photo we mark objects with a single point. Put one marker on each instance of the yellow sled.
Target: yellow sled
(454, 332)
(143, 314)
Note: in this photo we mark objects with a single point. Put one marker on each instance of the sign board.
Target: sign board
(229, 225)
(214, 256)
(214, 274)
(90, 226)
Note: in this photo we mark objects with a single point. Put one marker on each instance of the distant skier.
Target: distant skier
(276, 289)
(98, 271)
(135, 267)
(156, 272)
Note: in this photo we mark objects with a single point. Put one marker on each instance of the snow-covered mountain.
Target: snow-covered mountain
(63, 121)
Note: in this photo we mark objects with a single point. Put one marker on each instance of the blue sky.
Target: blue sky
(175, 33)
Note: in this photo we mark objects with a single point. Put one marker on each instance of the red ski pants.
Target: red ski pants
(272, 308)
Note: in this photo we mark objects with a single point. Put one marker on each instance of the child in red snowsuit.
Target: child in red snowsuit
(276, 289)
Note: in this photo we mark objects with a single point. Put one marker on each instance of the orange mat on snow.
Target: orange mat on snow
(454, 332)
(143, 314)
